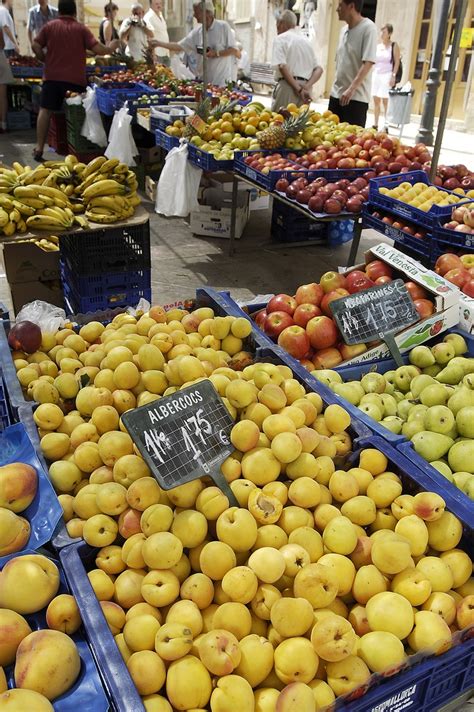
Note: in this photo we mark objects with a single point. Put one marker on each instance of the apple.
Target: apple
(282, 303)
(468, 288)
(305, 312)
(276, 322)
(311, 293)
(360, 283)
(354, 204)
(327, 358)
(281, 185)
(377, 268)
(295, 340)
(330, 297)
(424, 307)
(316, 203)
(353, 276)
(383, 280)
(458, 276)
(332, 280)
(332, 206)
(447, 262)
(349, 351)
(322, 332)
(416, 291)
(303, 196)
(260, 318)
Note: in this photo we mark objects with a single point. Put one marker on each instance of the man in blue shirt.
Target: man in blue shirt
(38, 16)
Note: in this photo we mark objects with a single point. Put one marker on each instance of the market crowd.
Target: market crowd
(364, 67)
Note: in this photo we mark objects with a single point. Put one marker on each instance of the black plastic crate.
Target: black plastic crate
(288, 225)
(19, 96)
(112, 249)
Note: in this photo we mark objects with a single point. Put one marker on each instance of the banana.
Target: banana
(101, 219)
(44, 222)
(23, 209)
(33, 203)
(133, 199)
(109, 165)
(54, 193)
(69, 213)
(69, 190)
(18, 168)
(93, 166)
(121, 168)
(103, 187)
(48, 202)
(87, 182)
(104, 211)
(57, 214)
(6, 201)
(15, 215)
(81, 221)
(36, 177)
(4, 218)
(54, 238)
(71, 160)
(77, 208)
(21, 226)
(45, 244)
(113, 202)
(9, 228)
(50, 181)
(52, 164)
(79, 167)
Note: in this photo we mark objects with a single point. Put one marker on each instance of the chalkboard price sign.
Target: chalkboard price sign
(375, 313)
(184, 436)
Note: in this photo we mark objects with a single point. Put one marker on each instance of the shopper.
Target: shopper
(385, 71)
(62, 46)
(355, 59)
(221, 45)
(107, 30)
(38, 16)
(6, 77)
(154, 17)
(8, 26)
(136, 33)
(295, 64)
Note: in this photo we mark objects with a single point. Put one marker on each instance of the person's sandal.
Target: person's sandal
(38, 156)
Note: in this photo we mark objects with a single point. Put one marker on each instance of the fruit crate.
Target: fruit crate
(27, 72)
(446, 240)
(5, 419)
(288, 225)
(112, 96)
(19, 96)
(166, 142)
(206, 161)
(76, 560)
(111, 249)
(109, 295)
(57, 134)
(75, 115)
(422, 248)
(45, 511)
(20, 120)
(266, 181)
(87, 693)
(428, 219)
(13, 395)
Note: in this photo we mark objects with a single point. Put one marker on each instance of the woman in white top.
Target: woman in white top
(384, 73)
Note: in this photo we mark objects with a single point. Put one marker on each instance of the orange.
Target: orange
(227, 116)
(254, 120)
(236, 122)
(216, 133)
(265, 116)
(292, 107)
(278, 117)
(207, 135)
(327, 114)
(334, 118)
(227, 126)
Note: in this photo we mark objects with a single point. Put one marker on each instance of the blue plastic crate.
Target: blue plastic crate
(166, 142)
(27, 72)
(423, 248)
(14, 395)
(268, 181)
(111, 97)
(445, 239)
(5, 419)
(87, 693)
(206, 160)
(428, 219)
(45, 512)
(76, 561)
(108, 283)
(113, 299)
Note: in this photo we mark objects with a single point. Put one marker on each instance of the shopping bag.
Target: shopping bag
(121, 143)
(92, 127)
(177, 190)
(179, 69)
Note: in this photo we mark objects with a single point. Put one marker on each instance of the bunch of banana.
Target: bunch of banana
(48, 244)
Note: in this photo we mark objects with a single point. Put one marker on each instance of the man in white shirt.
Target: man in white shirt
(8, 27)
(295, 64)
(154, 17)
(136, 33)
(221, 45)
(356, 54)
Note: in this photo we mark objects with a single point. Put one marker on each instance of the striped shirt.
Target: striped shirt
(37, 20)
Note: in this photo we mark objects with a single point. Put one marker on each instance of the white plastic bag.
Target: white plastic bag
(121, 143)
(92, 127)
(179, 69)
(48, 317)
(177, 190)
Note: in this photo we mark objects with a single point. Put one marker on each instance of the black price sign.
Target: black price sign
(184, 436)
(375, 313)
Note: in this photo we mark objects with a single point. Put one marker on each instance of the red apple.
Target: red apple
(304, 313)
(260, 317)
(281, 185)
(350, 351)
(377, 268)
(295, 340)
(311, 293)
(25, 336)
(332, 280)
(307, 364)
(416, 291)
(282, 303)
(332, 206)
(353, 276)
(330, 297)
(468, 288)
(322, 332)
(316, 203)
(360, 283)
(327, 358)
(424, 307)
(383, 280)
(458, 276)
(276, 322)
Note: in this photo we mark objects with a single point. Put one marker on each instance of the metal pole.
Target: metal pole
(425, 134)
(204, 50)
(462, 9)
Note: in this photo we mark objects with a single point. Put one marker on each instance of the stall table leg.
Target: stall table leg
(355, 242)
(233, 214)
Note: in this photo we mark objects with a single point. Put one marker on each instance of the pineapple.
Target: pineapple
(276, 134)
(202, 110)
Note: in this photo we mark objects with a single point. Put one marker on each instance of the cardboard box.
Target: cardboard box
(27, 262)
(151, 155)
(466, 313)
(213, 219)
(150, 188)
(444, 294)
(24, 292)
(259, 199)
